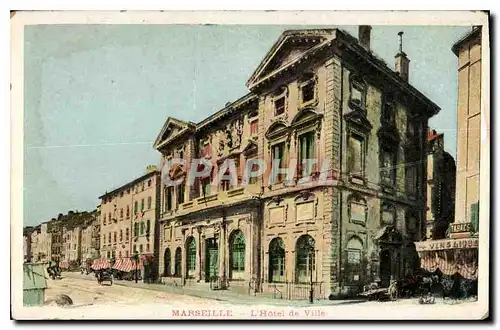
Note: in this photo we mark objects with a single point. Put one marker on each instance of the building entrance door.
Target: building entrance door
(385, 268)
(212, 259)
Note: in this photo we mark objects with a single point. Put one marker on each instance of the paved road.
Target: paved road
(85, 291)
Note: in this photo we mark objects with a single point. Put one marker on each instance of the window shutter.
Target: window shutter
(475, 217)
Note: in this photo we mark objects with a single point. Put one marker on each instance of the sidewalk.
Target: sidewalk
(220, 295)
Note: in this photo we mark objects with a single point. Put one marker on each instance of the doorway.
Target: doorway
(212, 258)
(385, 267)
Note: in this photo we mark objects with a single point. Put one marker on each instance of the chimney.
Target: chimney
(402, 61)
(364, 32)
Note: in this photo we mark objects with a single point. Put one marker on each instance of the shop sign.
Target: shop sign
(460, 227)
(464, 243)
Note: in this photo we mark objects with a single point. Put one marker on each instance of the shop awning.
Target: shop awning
(99, 264)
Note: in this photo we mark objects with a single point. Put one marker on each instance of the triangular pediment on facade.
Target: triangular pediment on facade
(388, 234)
(172, 128)
(250, 147)
(359, 120)
(290, 46)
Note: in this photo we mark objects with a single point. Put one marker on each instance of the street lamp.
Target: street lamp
(135, 257)
(224, 228)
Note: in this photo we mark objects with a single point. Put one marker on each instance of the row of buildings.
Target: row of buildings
(318, 94)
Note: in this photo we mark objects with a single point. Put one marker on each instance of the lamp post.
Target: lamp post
(135, 257)
(224, 228)
(311, 289)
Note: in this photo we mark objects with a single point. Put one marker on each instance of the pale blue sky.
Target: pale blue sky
(96, 96)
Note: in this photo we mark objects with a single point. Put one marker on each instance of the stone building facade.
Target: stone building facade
(469, 130)
(128, 218)
(441, 178)
(320, 95)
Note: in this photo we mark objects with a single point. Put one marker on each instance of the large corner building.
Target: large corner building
(317, 94)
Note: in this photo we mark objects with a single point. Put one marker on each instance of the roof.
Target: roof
(432, 135)
(131, 183)
(476, 32)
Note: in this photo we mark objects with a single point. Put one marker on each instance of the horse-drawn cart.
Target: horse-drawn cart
(374, 292)
(104, 275)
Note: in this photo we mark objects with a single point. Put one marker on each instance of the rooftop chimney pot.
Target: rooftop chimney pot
(364, 36)
(402, 61)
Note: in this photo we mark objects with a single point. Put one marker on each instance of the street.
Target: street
(89, 292)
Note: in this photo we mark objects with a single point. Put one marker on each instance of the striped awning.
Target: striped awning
(126, 265)
(64, 264)
(98, 264)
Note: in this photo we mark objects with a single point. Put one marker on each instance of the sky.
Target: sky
(96, 96)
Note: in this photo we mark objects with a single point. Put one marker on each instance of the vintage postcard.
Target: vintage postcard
(250, 165)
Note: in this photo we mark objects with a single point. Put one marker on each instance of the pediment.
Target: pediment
(304, 117)
(291, 46)
(250, 147)
(278, 128)
(172, 127)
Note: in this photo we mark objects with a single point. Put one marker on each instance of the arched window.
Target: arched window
(166, 263)
(354, 267)
(136, 229)
(304, 261)
(148, 227)
(276, 260)
(149, 202)
(191, 257)
(237, 254)
(178, 262)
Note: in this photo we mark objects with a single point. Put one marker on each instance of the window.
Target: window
(180, 193)
(147, 247)
(136, 229)
(354, 267)
(109, 217)
(205, 186)
(135, 248)
(255, 168)
(166, 262)
(308, 89)
(120, 254)
(142, 205)
(168, 198)
(358, 94)
(128, 211)
(108, 255)
(148, 227)
(149, 183)
(181, 154)
(388, 110)
(279, 106)
(254, 127)
(276, 260)
(149, 202)
(142, 186)
(126, 253)
(388, 214)
(306, 152)
(388, 168)
(225, 185)
(205, 150)
(142, 227)
(411, 180)
(237, 253)
(355, 156)
(357, 210)
(121, 213)
(135, 207)
(278, 153)
(114, 237)
(178, 262)
(191, 257)
(141, 249)
(126, 234)
(121, 194)
(109, 238)
(305, 255)
(121, 235)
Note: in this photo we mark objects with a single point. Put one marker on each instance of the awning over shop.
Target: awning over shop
(99, 264)
(126, 265)
(450, 256)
